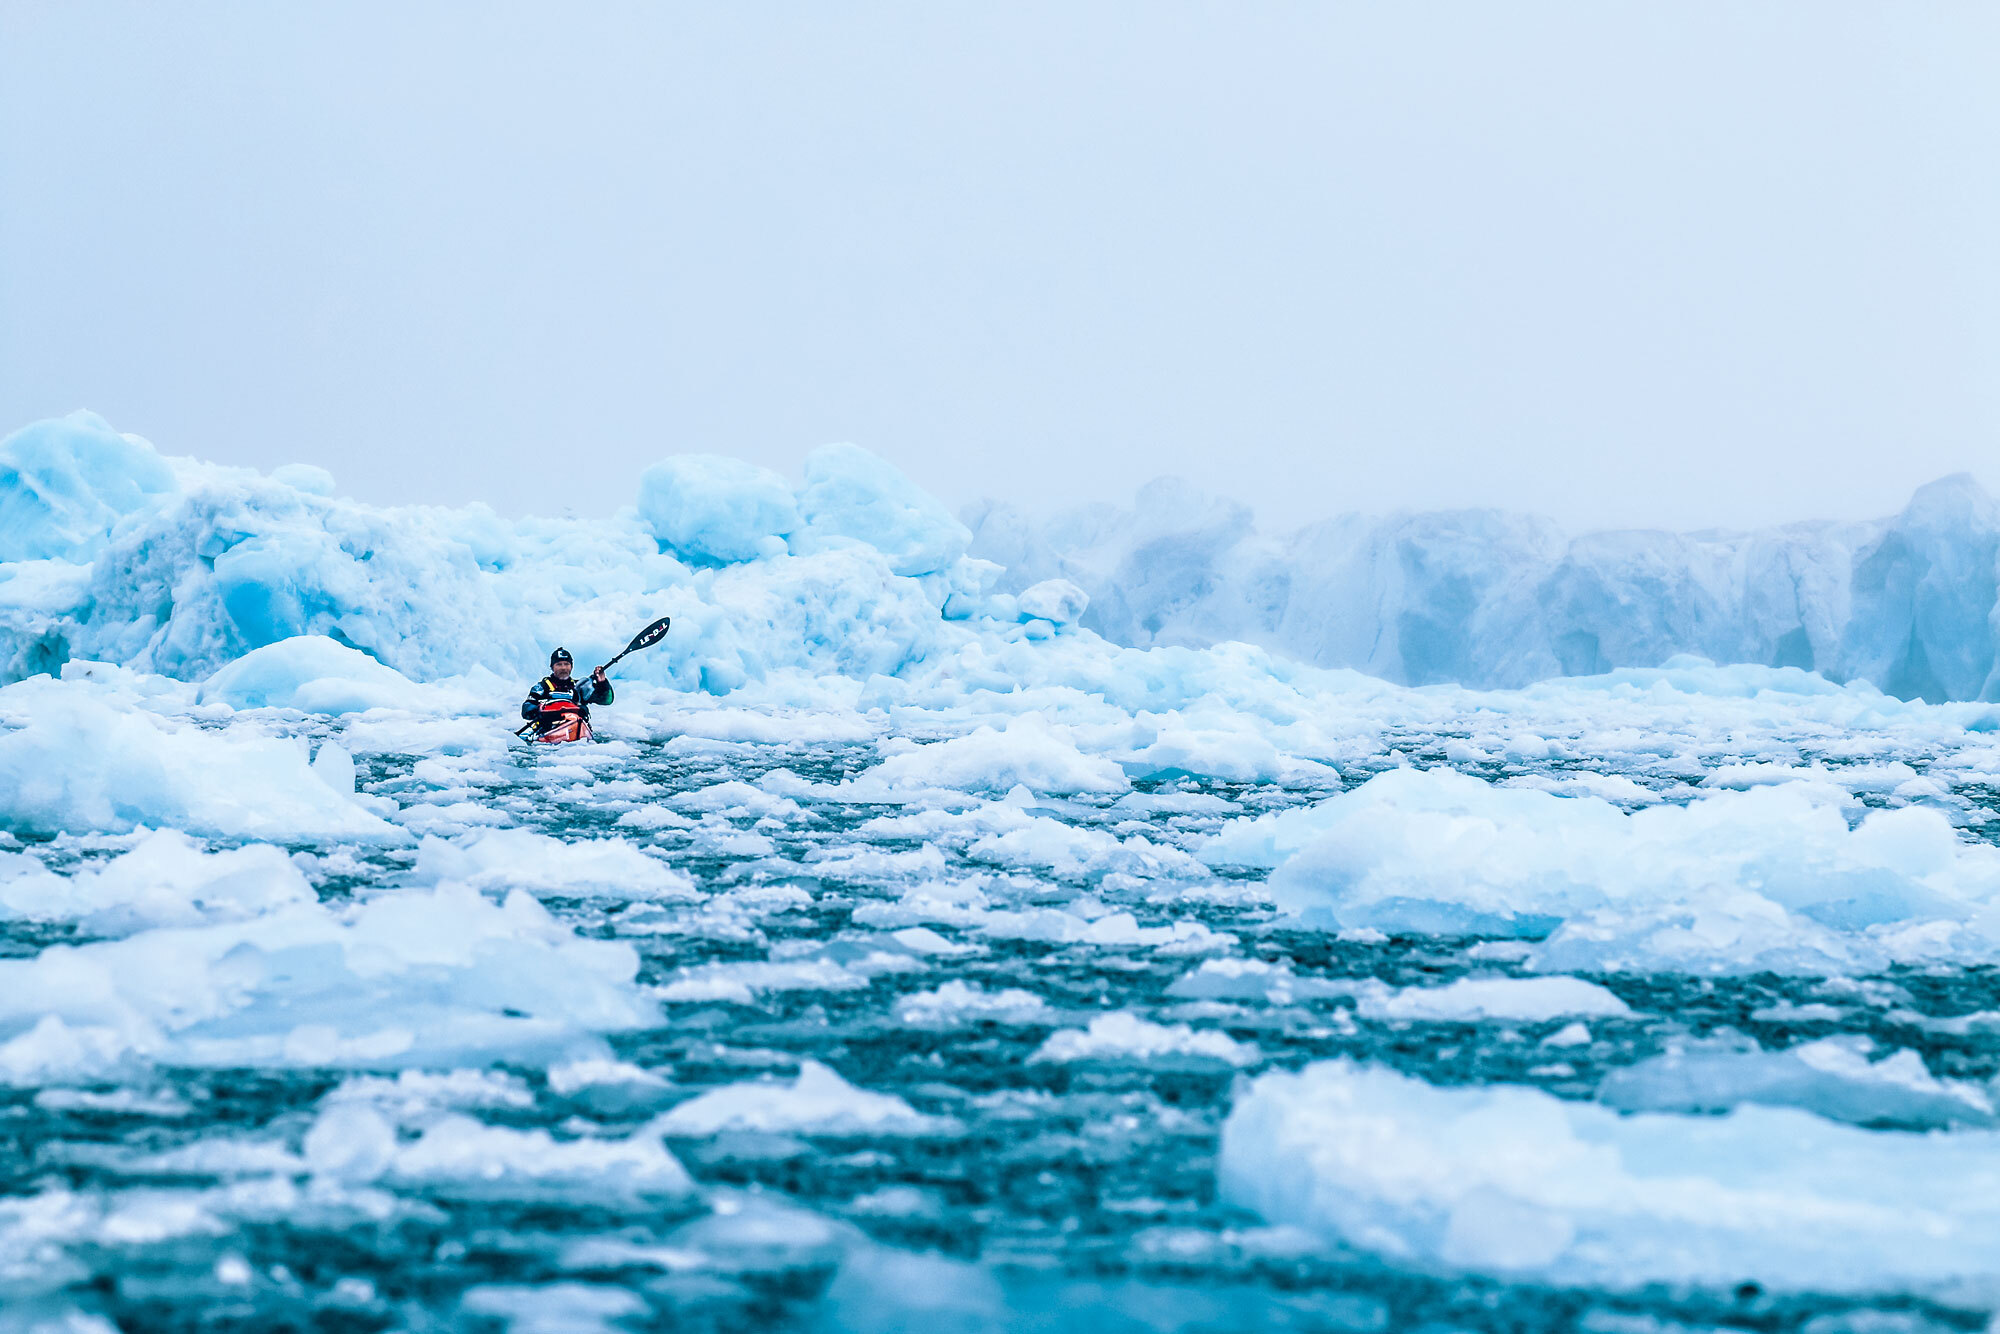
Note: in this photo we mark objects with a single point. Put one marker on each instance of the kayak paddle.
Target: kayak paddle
(646, 638)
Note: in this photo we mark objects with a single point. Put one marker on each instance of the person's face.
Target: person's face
(560, 671)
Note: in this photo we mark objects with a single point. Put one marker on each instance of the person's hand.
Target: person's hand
(597, 675)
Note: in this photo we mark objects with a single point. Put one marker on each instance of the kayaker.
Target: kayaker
(559, 695)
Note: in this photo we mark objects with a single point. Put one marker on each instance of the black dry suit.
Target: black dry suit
(580, 691)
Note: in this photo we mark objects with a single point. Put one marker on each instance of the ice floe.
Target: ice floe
(1843, 1079)
(418, 978)
(165, 879)
(1124, 1036)
(1512, 1181)
(1472, 999)
(74, 757)
(1769, 879)
(816, 1102)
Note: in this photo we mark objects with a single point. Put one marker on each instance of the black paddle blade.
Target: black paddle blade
(650, 636)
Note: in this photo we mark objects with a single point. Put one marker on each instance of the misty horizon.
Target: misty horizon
(1713, 269)
(1130, 502)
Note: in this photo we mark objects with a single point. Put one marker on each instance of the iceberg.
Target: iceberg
(1496, 600)
(311, 673)
(1513, 1182)
(850, 493)
(443, 977)
(110, 551)
(75, 756)
(176, 567)
(66, 485)
(1765, 879)
(718, 510)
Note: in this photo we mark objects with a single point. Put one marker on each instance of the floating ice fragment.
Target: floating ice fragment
(922, 940)
(1110, 930)
(1838, 1078)
(608, 1087)
(165, 879)
(554, 1308)
(82, 758)
(1124, 1036)
(335, 768)
(350, 1141)
(315, 674)
(1473, 999)
(590, 868)
(958, 1004)
(1766, 879)
(741, 982)
(879, 1290)
(415, 978)
(817, 1102)
(1514, 1182)
(53, 1051)
(417, 1097)
(1252, 980)
(461, 1157)
(1030, 753)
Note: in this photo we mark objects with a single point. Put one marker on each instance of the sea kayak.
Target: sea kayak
(573, 728)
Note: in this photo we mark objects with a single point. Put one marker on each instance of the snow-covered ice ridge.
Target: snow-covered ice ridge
(1494, 599)
(908, 955)
(114, 553)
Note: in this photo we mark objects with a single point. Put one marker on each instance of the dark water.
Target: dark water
(1052, 1195)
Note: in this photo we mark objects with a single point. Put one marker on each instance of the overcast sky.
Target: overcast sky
(1667, 264)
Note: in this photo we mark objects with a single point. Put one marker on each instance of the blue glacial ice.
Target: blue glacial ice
(1118, 920)
(1486, 598)
(66, 486)
(116, 554)
(716, 510)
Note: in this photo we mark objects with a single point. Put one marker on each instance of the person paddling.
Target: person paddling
(558, 708)
(559, 700)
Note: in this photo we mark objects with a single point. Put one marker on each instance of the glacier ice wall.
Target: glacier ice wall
(1498, 600)
(113, 553)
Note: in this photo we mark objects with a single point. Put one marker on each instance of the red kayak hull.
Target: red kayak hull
(569, 729)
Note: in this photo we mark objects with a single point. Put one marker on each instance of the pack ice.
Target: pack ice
(1115, 919)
